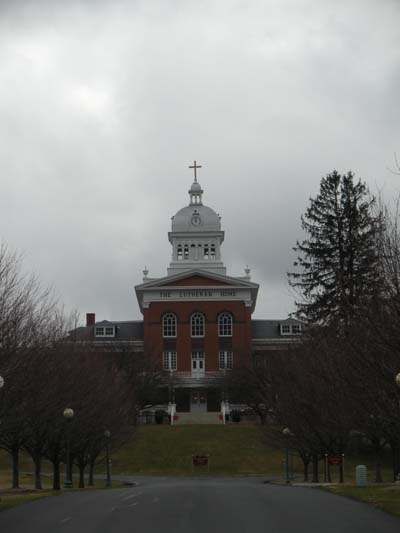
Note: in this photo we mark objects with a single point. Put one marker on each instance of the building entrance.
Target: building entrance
(198, 401)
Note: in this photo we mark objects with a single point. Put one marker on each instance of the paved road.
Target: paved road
(198, 505)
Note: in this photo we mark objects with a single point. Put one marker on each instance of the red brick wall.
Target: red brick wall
(241, 340)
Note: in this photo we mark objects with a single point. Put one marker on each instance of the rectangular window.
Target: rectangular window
(170, 360)
(225, 360)
(285, 329)
(108, 331)
(296, 330)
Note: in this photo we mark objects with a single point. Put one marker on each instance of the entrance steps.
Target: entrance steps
(198, 418)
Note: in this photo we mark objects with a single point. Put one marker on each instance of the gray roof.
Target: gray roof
(267, 329)
(124, 331)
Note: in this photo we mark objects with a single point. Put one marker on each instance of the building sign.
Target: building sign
(179, 294)
(197, 294)
(200, 460)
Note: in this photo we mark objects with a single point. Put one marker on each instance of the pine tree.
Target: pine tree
(338, 260)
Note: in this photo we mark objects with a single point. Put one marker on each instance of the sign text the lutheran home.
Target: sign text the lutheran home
(198, 294)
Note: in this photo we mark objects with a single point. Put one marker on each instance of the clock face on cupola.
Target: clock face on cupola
(196, 235)
(196, 219)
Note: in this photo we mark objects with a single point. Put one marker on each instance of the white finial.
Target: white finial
(145, 272)
(247, 271)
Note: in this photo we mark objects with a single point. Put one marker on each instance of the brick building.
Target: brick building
(197, 319)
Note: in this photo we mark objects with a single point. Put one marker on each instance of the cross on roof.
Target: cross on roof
(195, 166)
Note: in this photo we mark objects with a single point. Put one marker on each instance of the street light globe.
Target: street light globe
(398, 379)
(68, 413)
(286, 432)
(1, 382)
(107, 434)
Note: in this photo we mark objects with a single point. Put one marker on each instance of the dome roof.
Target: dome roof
(196, 187)
(196, 218)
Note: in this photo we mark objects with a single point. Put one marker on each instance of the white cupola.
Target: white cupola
(196, 235)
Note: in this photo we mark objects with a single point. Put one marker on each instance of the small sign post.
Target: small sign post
(337, 460)
(201, 460)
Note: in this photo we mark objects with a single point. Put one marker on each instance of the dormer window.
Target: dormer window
(296, 329)
(285, 329)
(290, 329)
(105, 331)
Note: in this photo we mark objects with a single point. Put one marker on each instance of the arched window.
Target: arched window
(169, 325)
(225, 325)
(179, 252)
(212, 251)
(197, 325)
(186, 252)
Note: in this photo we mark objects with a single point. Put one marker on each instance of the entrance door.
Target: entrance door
(198, 401)
(198, 366)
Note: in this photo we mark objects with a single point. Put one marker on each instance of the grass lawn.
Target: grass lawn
(234, 450)
(11, 498)
(385, 497)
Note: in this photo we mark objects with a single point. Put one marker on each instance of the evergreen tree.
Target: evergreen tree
(338, 259)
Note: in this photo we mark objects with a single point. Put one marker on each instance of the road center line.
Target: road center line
(65, 520)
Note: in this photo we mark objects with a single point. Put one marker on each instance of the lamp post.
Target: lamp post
(286, 433)
(107, 435)
(68, 415)
(397, 380)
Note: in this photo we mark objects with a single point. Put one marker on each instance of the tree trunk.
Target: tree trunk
(305, 470)
(38, 466)
(315, 478)
(378, 469)
(91, 474)
(56, 475)
(396, 461)
(15, 468)
(81, 476)
(329, 473)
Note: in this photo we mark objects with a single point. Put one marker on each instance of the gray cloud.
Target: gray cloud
(104, 104)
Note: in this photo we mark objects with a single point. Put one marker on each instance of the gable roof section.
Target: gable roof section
(188, 280)
(210, 278)
(195, 281)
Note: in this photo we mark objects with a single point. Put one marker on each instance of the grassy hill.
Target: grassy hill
(165, 450)
(234, 450)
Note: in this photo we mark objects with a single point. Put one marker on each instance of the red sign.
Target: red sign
(200, 460)
(335, 460)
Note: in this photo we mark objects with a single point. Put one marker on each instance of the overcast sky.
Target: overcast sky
(104, 104)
